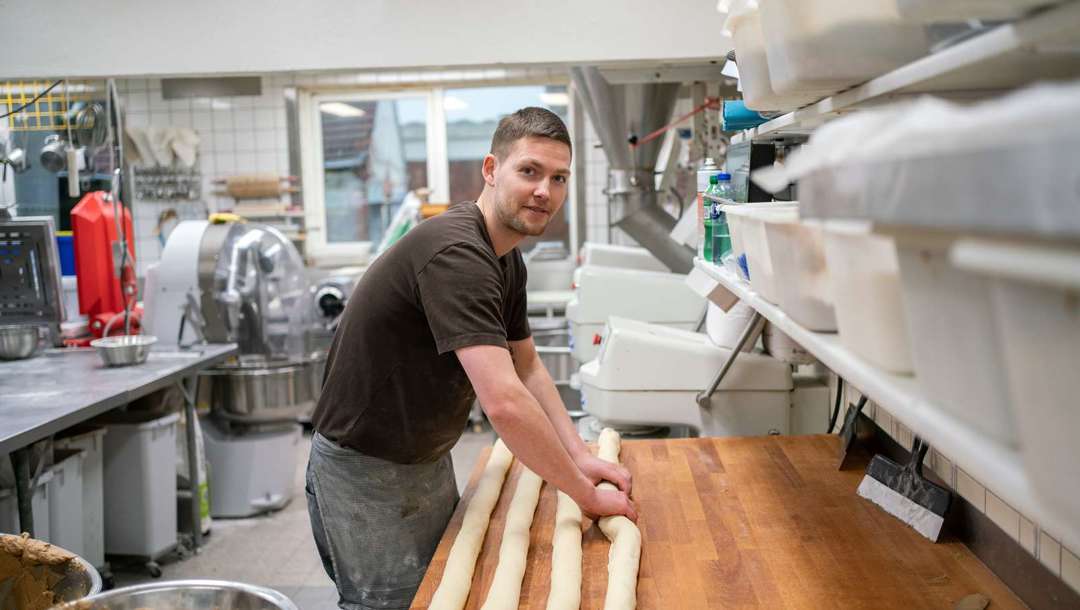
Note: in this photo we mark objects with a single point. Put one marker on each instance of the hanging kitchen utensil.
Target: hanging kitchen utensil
(53, 155)
(91, 128)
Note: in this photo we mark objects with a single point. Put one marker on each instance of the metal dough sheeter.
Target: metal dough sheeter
(243, 283)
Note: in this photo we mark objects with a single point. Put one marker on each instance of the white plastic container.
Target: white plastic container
(65, 501)
(1036, 299)
(755, 243)
(725, 328)
(954, 343)
(91, 441)
(626, 257)
(736, 263)
(797, 250)
(39, 505)
(744, 23)
(825, 46)
(140, 484)
(784, 348)
(624, 385)
(648, 296)
(865, 279)
(959, 11)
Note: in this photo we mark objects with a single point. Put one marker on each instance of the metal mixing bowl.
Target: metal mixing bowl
(188, 595)
(76, 581)
(124, 350)
(18, 341)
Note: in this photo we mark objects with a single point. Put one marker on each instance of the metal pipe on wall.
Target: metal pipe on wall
(621, 114)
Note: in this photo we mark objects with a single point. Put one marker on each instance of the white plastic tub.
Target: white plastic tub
(744, 23)
(958, 11)
(797, 249)
(65, 501)
(755, 242)
(1036, 298)
(954, 343)
(91, 441)
(865, 279)
(39, 506)
(140, 484)
(825, 46)
(736, 263)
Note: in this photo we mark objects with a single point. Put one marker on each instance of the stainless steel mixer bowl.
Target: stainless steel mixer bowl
(187, 594)
(124, 350)
(18, 341)
(76, 581)
(263, 394)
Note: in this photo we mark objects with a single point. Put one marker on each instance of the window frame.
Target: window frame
(317, 248)
(311, 146)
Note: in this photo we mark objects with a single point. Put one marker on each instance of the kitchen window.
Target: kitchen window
(363, 152)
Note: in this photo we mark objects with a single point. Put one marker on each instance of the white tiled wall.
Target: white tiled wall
(238, 135)
(1043, 545)
(596, 204)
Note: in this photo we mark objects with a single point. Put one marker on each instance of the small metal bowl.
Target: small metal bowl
(124, 350)
(18, 341)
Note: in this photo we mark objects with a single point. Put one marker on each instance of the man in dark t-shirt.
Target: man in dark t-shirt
(437, 321)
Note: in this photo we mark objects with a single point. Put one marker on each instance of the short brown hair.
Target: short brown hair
(529, 121)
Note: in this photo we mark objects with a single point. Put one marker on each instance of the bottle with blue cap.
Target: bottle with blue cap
(721, 237)
(708, 221)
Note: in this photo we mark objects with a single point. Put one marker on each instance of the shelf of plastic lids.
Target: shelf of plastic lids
(994, 464)
(1003, 58)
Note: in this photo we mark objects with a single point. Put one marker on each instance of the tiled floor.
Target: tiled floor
(277, 550)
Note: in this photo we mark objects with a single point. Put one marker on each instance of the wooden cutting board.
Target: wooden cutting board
(763, 522)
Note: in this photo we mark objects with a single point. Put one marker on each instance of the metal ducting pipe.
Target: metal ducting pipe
(618, 114)
(651, 227)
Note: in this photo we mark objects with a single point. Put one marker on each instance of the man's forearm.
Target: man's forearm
(533, 439)
(539, 383)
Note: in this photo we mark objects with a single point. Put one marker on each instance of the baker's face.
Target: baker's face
(530, 183)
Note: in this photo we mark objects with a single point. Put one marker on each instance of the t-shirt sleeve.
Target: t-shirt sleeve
(460, 290)
(517, 323)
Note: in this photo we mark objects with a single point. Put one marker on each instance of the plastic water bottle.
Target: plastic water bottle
(711, 210)
(708, 168)
(721, 246)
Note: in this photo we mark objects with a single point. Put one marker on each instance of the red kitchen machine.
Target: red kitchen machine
(105, 263)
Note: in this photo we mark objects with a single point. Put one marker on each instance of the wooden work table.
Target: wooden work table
(763, 522)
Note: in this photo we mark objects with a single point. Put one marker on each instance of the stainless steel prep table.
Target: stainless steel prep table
(53, 391)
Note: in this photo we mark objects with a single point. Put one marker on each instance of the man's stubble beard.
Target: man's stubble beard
(509, 218)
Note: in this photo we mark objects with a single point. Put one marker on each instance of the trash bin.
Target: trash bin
(140, 483)
(9, 508)
(65, 501)
(90, 440)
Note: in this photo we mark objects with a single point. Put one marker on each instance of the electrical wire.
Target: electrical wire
(712, 103)
(31, 102)
(836, 406)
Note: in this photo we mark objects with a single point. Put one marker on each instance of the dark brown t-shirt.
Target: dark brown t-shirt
(394, 389)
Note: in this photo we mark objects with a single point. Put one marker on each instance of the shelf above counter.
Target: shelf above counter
(992, 463)
(1044, 46)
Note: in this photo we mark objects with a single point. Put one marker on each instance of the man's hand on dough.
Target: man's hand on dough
(597, 470)
(607, 502)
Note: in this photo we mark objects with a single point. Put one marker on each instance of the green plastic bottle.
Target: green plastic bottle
(709, 220)
(721, 235)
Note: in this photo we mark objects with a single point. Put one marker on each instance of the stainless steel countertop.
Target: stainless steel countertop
(60, 388)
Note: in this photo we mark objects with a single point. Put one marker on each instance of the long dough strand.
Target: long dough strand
(505, 588)
(565, 591)
(625, 553)
(453, 589)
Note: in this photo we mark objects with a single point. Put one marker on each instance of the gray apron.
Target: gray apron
(376, 523)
